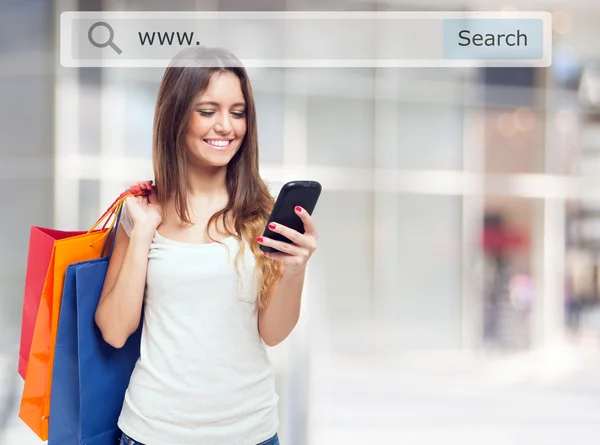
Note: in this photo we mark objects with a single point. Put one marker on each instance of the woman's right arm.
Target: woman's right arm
(120, 307)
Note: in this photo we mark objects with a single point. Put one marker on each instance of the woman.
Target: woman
(189, 254)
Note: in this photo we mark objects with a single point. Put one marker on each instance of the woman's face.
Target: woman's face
(218, 123)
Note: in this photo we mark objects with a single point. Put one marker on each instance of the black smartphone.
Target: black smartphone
(295, 193)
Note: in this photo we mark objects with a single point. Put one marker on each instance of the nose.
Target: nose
(223, 124)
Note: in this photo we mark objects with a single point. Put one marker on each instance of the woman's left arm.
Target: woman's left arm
(279, 317)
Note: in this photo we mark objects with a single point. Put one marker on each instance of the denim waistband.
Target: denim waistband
(126, 440)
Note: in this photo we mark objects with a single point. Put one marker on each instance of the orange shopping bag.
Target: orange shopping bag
(35, 401)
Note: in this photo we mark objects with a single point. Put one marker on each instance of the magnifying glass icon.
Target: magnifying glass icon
(109, 41)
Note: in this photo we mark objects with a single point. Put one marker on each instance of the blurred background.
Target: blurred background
(454, 296)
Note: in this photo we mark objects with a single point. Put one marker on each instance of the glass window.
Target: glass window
(427, 136)
(270, 120)
(90, 115)
(89, 197)
(346, 253)
(421, 301)
(138, 118)
(340, 131)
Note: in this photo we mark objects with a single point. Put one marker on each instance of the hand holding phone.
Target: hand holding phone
(295, 193)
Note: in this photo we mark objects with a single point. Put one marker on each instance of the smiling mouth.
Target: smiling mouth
(218, 144)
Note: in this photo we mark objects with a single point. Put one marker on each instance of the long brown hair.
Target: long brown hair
(250, 202)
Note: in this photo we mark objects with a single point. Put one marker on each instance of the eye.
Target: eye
(239, 114)
(206, 113)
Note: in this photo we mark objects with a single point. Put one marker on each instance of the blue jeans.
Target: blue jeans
(126, 440)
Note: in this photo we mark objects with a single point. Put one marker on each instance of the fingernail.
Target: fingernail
(272, 226)
(298, 209)
(259, 239)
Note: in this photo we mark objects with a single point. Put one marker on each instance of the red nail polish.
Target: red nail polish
(259, 239)
(272, 226)
(298, 209)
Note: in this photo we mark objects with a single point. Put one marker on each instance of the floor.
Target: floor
(543, 398)
(423, 398)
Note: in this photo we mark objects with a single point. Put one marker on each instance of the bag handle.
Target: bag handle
(113, 213)
(110, 212)
(112, 235)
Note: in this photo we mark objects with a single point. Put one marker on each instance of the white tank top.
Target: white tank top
(203, 376)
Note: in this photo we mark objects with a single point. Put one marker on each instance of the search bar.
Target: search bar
(310, 39)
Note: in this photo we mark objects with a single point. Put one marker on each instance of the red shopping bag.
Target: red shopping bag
(41, 242)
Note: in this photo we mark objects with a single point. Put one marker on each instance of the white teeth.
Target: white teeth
(217, 143)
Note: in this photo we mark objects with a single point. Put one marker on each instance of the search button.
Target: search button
(511, 39)
(111, 37)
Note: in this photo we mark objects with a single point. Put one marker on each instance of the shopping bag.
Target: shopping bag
(41, 242)
(89, 377)
(64, 398)
(104, 372)
(34, 409)
(35, 401)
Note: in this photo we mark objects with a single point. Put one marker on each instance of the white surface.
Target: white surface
(452, 398)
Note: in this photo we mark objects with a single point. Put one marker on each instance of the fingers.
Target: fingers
(146, 185)
(139, 201)
(286, 248)
(296, 237)
(142, 187)
(131, 200)
(309, 225)
(294, 256)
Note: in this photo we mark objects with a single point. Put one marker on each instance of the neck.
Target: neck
(206, 182)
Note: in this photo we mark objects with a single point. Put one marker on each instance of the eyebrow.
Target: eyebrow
(237, 104)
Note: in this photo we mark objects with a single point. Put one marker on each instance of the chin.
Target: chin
(219, 163)
(210, 160)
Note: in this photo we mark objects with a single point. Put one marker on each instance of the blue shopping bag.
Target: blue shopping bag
(64, 397)
(89, 376)
(104, 371)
